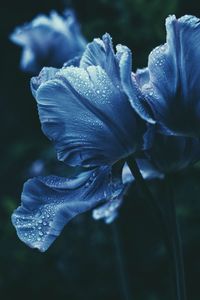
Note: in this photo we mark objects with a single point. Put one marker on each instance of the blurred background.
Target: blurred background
(85, 261)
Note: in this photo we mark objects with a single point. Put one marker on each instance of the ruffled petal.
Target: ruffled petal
(119, 68)
(100, 53)
(130, 85)
(81, 112)
(49, 203)
(45, 75)
(142, 76)
(173, 88)
(49, 41)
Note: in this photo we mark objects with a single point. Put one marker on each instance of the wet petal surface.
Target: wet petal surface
(49, 203)
(173, 89)
(81, 112)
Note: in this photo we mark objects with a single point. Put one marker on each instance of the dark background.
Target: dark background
(84, 261)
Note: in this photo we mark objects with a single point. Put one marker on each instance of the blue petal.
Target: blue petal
(75, 62)
(45, 75)
(49, 203)
(147, 169)
(130, 85)
(118, 67)
(49, 41)
(173, 153)
(101, 53)
(81, 112)
(142, 76)
(174, 78)
(109, 211)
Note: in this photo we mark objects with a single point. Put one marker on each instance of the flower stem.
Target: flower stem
(154, 207)
(121, 265)
(170, 227)
(176, 245)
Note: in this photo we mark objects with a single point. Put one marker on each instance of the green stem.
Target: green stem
(176, 246)
(121, 265)
(154, 207)
(169, 226)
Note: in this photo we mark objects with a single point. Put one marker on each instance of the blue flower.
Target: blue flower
(49, 41)
(86, 113)
(171, 83)
(173, 153)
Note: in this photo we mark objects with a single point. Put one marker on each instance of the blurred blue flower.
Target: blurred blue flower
(171, 83)
(49, 41)
(173, 153)
(86, 113)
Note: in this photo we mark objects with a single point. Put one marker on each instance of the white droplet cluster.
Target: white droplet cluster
(92, 83)
(158, 56)
(34, 227)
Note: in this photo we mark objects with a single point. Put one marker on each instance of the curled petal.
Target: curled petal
(142, 76)
(49, 203)
(49, 41)
(101, 53)
(173, 87)
(119, 67)
(45, 75)
(81, 112)
(130, 85)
